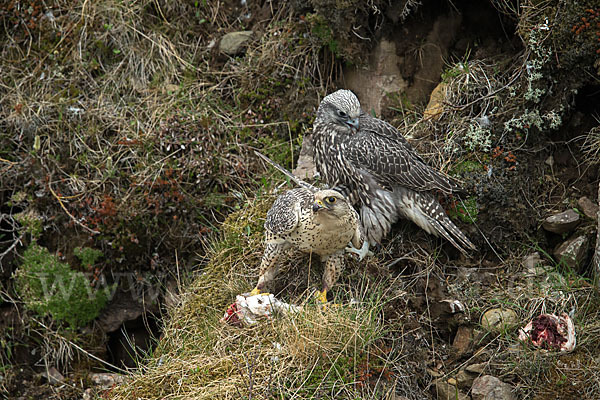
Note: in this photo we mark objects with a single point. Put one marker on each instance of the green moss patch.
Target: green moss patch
(49, 287)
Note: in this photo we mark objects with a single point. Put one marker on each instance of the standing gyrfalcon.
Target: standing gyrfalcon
(321, 222)
(376, 168)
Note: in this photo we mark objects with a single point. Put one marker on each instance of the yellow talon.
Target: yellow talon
(322, 296)
(255, 291)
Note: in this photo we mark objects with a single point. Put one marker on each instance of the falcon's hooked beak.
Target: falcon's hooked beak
(353, 123)
(318, 205)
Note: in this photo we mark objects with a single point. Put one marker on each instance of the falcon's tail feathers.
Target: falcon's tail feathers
(437, 219)
(451, 233)
(287, 173)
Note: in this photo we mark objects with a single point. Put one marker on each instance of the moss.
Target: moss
(454, 71)
(50, 287)
(466, 166)
(465, 210)
(87, 255)
(323, 32)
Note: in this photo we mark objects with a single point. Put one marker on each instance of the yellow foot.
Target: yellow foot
(322, 296)
(256, 291)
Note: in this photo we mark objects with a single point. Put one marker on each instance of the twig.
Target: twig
(81, 349)
(596, 261)
(12, 246)
(68, 213)
(284, 171)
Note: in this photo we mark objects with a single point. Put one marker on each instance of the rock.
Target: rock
(489, 387)
(446, 391)
(434, 373)
(534, 266)
(496, 319)
(381, 77)
(306, 169)
(106, 380)
(435, 107)
(476, 368)
(118, 311)
(88, 394)
(573, 252)
(433, 52)
(462, 340)
(562, 222)
(464, 379)
(588, 207)
(233, 43)
(532, 261)
(53, 376)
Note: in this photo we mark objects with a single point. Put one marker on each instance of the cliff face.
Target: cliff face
(126, 155)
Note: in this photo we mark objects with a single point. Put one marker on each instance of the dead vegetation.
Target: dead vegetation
(124, 129)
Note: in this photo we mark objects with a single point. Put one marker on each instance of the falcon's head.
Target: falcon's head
(331, 203)
(340, 108)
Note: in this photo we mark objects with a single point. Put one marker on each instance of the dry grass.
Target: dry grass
(134, 126)
(312, 352)
(335, 352)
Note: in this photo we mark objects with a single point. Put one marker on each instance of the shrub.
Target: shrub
(50, 287)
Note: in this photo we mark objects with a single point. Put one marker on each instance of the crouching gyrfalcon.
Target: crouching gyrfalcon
(321, 222)
(369, 161)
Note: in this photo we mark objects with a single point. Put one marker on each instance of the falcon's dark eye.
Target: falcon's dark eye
(330, 200)
(342, 114)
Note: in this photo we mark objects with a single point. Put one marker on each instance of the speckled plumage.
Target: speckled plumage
(322, 222)
(369, 161)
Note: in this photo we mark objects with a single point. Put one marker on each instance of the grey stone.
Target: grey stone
(496, 319)
(446, 391)
(233, 43)
(53, 376)
(532, 261)
(572, 252)
(489, 387)
(476, 368)
(534, 266)
(562, 222)
(106, 380)
(306, 169)
(464, 379)
(588, 207)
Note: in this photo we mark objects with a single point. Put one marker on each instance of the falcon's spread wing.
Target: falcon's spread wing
(284, 214)
(379, 149)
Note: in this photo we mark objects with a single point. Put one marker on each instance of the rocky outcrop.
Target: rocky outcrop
(572, 252)
(489, 387)
(562, 222)
(234, 43)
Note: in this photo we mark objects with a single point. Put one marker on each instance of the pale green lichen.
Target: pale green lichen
(478, 138)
